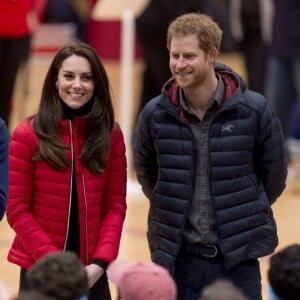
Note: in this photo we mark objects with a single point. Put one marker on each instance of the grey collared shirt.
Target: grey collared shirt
(200, 224)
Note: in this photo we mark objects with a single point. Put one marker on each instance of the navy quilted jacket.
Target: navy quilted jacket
(248, 168)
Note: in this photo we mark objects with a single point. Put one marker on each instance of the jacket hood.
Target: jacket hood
(232, 82)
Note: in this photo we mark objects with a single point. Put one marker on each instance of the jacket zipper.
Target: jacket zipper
(86, 227)
(71, 182)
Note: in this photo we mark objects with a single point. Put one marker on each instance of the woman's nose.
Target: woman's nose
(77, 83)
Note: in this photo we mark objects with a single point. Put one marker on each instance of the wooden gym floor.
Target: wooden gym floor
(133, 243)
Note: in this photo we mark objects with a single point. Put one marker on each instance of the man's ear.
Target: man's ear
(212, 55)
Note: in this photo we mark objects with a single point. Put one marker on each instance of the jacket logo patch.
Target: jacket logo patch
(227, 128)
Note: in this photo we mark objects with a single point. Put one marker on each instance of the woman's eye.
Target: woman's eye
(69, 76)
(86, 78)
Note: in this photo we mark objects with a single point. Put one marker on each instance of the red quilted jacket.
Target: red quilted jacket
(39, 198)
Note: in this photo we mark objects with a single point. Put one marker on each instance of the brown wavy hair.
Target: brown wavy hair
(100, 119)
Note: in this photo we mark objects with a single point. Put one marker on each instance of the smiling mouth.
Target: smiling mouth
(76, 94)
(182, 74)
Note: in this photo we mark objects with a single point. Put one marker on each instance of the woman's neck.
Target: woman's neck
(69, 113)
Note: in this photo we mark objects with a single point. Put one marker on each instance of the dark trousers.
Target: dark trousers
(100, 290)
(13, 53)
(193, 272)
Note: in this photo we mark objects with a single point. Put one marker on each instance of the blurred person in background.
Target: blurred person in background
(141, 280)
(18, 22)
(284, 274)
(64, 11)
(283, 74)
(4, 142)
(4, 292)
(222, 289)
(35, 295)
(251, 29)
(67, 171)
(60, 275)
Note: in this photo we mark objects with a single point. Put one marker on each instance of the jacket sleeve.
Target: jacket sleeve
(271, 154)
(144, 153)
(20, 213)
(4, 140)
(113, 200)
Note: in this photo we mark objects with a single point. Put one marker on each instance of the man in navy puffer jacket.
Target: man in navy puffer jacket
(211, 158)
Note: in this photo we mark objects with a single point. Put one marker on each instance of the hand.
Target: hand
(32, 22)
(94, 272)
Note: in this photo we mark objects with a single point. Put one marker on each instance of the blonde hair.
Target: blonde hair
(207, 31)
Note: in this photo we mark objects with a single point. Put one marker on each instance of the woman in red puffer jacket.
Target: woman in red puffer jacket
(68, 171)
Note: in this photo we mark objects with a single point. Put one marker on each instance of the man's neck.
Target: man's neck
(200, 98)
